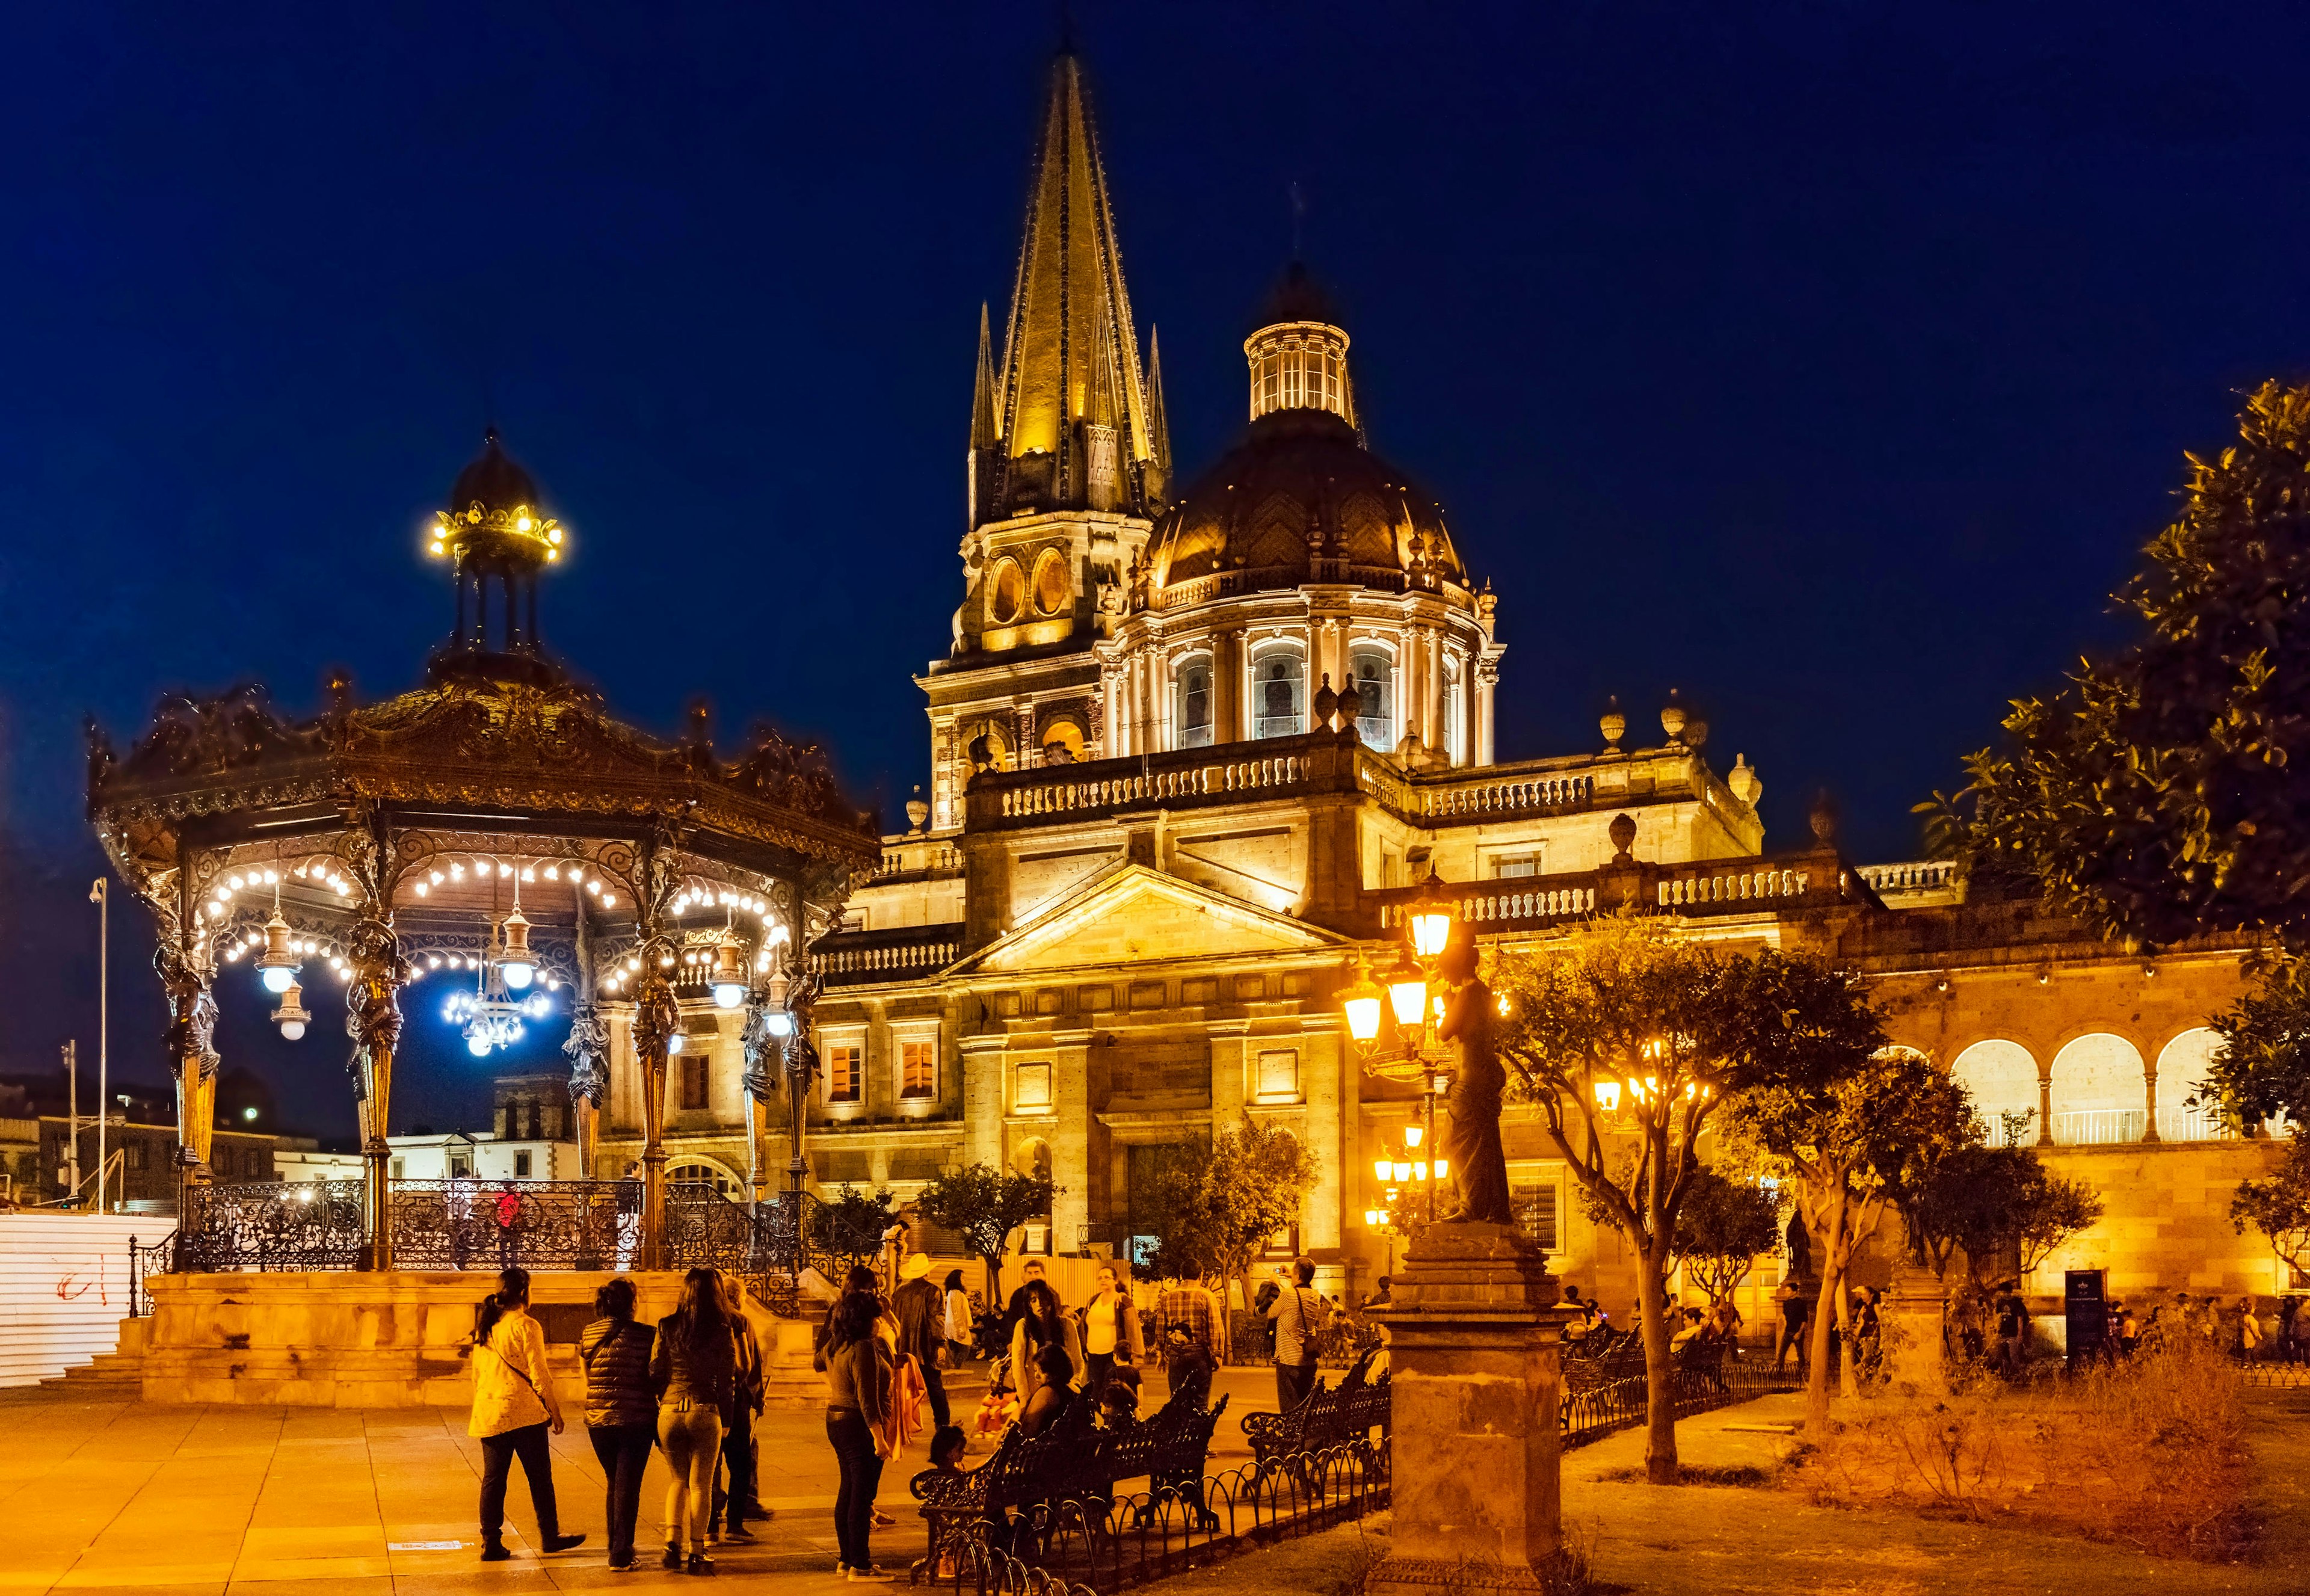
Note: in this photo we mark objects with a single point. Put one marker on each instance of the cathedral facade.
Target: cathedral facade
(1193, 741)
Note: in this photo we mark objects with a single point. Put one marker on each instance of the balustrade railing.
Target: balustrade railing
(486, 1224)
(1515, 903)
(878, 956)
(1218, 778)
(1717, 885)
(1917, 875)
(270, 1225)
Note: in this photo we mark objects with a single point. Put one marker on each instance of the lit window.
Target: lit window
(1196, 704)
(521, 1166)
(918, 1069)
(842, 1074)
(1279, 694)
(693, 1078)
(1051, 583)
(1514, 866)
(1535, 1211)
(1374, 678)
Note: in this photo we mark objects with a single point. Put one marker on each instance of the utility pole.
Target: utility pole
(72, 1122)
(100, 895)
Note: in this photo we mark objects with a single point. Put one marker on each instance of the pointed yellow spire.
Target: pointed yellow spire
(1159, 424)
(1069, 285)
(985, 421)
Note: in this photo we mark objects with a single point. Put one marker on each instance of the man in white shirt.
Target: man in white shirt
(1299, 1315)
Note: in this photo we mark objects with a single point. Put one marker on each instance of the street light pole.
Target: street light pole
(100, 895)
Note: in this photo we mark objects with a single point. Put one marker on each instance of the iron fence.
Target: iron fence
(1091, 1545)
(467, 1223)
(147, 1258)
(1597, 1411)
(270, 1225)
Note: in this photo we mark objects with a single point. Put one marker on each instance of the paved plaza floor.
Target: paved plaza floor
(97, 1492)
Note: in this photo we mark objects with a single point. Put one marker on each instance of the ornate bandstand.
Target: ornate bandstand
(494, 844)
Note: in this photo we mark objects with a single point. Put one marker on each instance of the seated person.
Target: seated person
(1118, 1405)
(1687, 1332)
(1000, 1406)
(1051, 1396)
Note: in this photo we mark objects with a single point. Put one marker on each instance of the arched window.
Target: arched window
(2181, 1070)
(1032, 1158)
(2002, 1077)
(1052, 588)
(1194, 703)
(1063, 743)
(2098, 1091)
(1279, 694)
(697, 1177)
(1374, 674)
(1007, 594)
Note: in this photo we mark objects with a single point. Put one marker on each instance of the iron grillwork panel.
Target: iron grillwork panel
(270, 1225)
(516, 1224)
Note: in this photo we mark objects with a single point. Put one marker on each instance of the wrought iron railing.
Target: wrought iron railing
(270, 1225)
(147, 1258)
(1092, 1546)
(524, 1224)
(1598, 1411)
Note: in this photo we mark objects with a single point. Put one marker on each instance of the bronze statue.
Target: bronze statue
(1471, 1142)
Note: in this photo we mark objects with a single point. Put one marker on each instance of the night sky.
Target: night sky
(1826, 361)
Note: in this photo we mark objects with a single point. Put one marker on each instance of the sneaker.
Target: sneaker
(622, 1563)
(562, 1543)
(495, 1552)
(883, 1521)
(699, 1562)
(673, 1559)
(871, 1576)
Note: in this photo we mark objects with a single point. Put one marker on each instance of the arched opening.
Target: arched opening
(1195, 703)
(1279, 693)
(698, 1178)
(1007, 593)
(2182, 1066)
(2098, 1091)
(2002, 1077)
(1032, 1158)
(1052, 588)
(1373, 670)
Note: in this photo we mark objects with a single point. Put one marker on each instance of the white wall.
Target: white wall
(428, 1158)
(64, 1288)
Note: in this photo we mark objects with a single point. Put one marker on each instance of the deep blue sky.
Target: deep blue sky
(1827, 361)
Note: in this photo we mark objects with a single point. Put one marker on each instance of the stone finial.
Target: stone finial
(1746, 784)
(1672, 718)
(1623, 833)
(1613, 725)
(1410, 753)
(1350, 705)
(1824, 819)
(1696, 732)
(917, 812)
(1327, 703)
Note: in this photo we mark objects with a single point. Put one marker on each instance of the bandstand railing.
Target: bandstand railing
(487, 1225)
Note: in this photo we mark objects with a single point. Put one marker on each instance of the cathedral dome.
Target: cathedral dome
(1300, 500)
(493, 481)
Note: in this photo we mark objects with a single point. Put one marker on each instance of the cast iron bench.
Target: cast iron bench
(1331, 1415)
(1075, 1459)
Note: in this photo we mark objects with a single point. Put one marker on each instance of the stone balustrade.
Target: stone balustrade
(859, 959)
(1915, 875)
(1714, 886)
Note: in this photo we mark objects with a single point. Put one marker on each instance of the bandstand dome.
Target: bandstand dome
(493, 480)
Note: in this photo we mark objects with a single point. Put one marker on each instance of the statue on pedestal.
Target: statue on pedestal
(1471, 1143)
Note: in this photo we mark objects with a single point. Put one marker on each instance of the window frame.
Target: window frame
(1375, 648)
(1263, 726)
(1183, 734)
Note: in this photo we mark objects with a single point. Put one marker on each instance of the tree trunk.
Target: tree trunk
(1849, 1380)
(1823, 1312)
(994, 1262)
(1660, 1374)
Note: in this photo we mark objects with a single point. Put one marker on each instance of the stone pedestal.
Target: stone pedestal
(1910, 1332)
(1474, 1354)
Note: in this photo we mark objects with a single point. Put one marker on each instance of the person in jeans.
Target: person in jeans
(858, 1375)
(745, 1407)
(1298, 1316)
(694, 1370)
(920, 1309)
(620, 1408)
(1110, 1332)
(514, 1406)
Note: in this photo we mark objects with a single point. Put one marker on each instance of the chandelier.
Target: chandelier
(489, 1016)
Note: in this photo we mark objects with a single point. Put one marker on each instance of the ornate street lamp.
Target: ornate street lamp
(291, 1016)
(277, 965)
(1413, 1055)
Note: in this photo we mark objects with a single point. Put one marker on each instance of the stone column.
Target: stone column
(373, 1020)
(2149, 1102)
(1475, 1354)
(656, 1019)
(1487, 680)
(2046, 1105)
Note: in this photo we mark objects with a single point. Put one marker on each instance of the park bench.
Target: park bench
(1331, 1415)
(1075, 1459)
(1622, 1357)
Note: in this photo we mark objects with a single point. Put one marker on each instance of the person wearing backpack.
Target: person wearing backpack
(514, 1407)
(620, 1408)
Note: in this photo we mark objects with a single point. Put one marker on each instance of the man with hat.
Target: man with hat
(918, 1306)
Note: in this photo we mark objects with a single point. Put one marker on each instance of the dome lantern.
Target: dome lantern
(1298, 353)
(495, 531)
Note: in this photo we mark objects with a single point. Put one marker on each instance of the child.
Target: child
(1000, 1405)
(948, 1443)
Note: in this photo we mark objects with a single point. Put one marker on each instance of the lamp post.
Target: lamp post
(100, 895)
(1412, 1054)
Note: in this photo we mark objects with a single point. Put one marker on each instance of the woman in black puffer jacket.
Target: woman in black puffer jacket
(620, 1408)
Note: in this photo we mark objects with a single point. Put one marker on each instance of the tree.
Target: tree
(1622, 1023)
(1854, 1141)
(2161, 794)
(1215, 1206)
(984, 1205)
(1722, 1226)
(2278, 1206)
(2001, 1206)
(853, 1224)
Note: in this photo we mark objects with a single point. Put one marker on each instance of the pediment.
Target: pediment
(1134, 914)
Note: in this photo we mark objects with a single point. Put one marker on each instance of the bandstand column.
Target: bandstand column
(587, 1049)
(657, 1017)
(373, 1020)
(185, 974)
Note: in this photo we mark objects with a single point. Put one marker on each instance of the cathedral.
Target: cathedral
(1198, 736)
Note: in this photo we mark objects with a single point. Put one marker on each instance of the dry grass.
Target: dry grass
(2150, 1454)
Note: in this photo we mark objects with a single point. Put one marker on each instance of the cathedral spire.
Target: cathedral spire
(986, 425)
(1159, 424)
(1069, 329)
